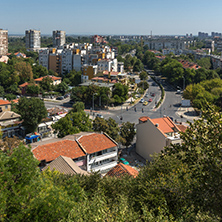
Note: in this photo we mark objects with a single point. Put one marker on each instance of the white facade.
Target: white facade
(66, 61)
(59, 38)
(32, 39)
(3, 42)
(103, 160)
(104, 65)
(44, 58)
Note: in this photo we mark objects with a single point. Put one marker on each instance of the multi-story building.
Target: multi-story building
(59, 38)
(202, 35)
(88, 72)
(66, 61)
(91, 152)
(159, 44)
(3, 42)
(32, 39)
(77, 62)
(44, 58)
(154, 134)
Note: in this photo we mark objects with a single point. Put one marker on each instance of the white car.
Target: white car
(142, 101)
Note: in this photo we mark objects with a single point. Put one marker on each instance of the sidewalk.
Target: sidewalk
(128, 103)
(188, 113)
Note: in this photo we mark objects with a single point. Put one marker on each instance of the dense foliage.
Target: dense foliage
(183, 183)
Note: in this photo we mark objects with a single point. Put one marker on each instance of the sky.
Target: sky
(116, 17)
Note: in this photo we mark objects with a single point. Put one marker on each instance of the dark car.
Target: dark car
(60, 98)
(66, 95)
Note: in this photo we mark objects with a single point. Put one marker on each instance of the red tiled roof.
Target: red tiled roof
(121, 170)
(165, 124)
(182, 128)
(95, 142)
(24, 84)
(52, 77)
(111, 73)
(190, 65)
(51, 151)
(143, 118)
(4, 102)
(15, 100)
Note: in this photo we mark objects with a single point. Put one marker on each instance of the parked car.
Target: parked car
(99, 115)
(145, 103)
(66, 95)
(150, 100)
(142, 101)
(153, 94)
(60, 98)
(122, 160)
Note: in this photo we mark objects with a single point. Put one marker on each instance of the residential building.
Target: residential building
(88, 72)
(55, 62)
(120, 67)
(66, 61)
(3, 42)
(77, 62)
(55, 80)
(202, 35)
(91, 152)
(5, 105)
(65, 165)
(9, 121)
(160, 44)
(121, 170)
(190, 65)
(33, 39)
(154, 134)
(97, 39)
(44, 58)
(4, 59)
(59, 38)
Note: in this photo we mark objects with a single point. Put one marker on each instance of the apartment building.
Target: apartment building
(44, 58)
(154, 134)
(90, 151)
(3, 42)
(77, 62)
(67, 63)
(59, 38)
(160, 44)
(32, 39)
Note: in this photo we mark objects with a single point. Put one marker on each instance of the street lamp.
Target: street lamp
(93, 102)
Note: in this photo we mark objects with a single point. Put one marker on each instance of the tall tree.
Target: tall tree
(32, 111)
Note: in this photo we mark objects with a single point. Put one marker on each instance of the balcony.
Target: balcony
(105, 166)
(103, 157)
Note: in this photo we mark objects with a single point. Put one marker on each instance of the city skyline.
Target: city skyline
(130, 17)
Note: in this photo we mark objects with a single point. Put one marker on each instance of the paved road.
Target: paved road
(169, 106)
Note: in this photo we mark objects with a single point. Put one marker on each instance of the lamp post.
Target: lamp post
(93, 102)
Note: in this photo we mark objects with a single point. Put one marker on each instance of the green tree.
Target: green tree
(32, 111)
(143, 75)
(32, 90)
(109, 126)
(2, 91)
(127, 132)
(47, 84)
(78, 107)
(62, 88)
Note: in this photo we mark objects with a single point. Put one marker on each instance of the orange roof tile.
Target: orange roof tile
(24, 84)
(121, 170)
(165, 124)
(51, 151)
(4, 102)
(143, 118)
(52, 77)
(182, 128)
(95, 142)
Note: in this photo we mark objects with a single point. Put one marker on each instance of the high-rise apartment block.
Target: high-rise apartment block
(3, 42)
(32, 39)
(59, 38)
